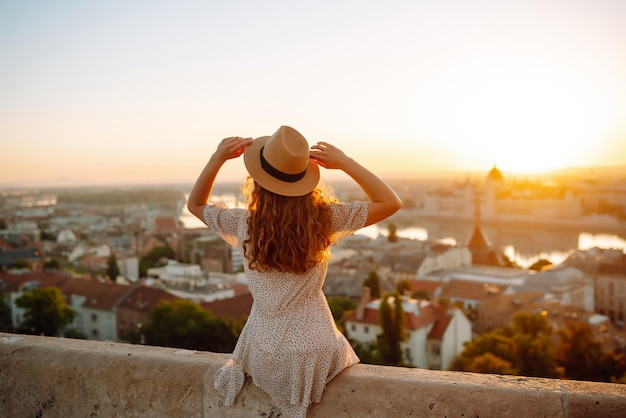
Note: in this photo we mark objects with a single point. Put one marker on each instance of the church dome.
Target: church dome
(495, 175)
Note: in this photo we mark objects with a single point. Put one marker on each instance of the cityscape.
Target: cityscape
(469, 252)
(498, 289)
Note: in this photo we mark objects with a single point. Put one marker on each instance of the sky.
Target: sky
(131, 92)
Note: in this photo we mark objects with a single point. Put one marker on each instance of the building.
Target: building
(470, 294)
(13, 286)
(34, 256)
(611, 292)
(134, 310)
(498, 310)
(567, 284)
(95, 305)
(435, 334)
(607, 267)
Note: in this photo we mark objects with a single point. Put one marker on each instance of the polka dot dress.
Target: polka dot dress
(290, 346)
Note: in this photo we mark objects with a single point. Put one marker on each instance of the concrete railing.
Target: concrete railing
(54, 377)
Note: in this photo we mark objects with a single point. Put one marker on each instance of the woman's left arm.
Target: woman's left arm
(227, 149)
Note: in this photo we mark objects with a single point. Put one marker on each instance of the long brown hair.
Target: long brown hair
(287, 234)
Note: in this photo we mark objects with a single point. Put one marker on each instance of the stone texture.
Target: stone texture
(53, 377)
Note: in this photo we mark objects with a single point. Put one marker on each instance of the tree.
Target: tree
(393, 230)
(184, 324)
(394, 333)
(338, 307)
(155, 258)
(583, 357)
(46, 311)
(532, 338)
(113, 269)
(525, 348)
(52, 264)
(493, 343)
(403, 286)
(5, 315)
(20, 264)
(488, 363)
(368, 353)
(373, 282)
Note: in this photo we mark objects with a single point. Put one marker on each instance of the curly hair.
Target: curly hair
(287, 234)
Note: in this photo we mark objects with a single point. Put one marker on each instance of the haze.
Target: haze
(141, 92)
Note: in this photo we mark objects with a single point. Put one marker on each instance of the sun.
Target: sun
(522, 120)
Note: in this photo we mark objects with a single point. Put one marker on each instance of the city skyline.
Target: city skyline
(118, 93)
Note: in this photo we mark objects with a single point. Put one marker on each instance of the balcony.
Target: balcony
(55, 377)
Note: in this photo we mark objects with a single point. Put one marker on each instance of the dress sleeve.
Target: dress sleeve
(224, 221)
(348, 218)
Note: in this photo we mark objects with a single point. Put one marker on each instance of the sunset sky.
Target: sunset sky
(100, 92)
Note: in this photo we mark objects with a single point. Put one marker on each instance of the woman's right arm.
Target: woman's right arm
(384, 201)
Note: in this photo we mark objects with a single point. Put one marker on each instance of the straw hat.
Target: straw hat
(280, 163)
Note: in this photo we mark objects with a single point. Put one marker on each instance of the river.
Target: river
(523, 245)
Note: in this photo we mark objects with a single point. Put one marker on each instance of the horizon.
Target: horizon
(142, 92)
(601, 171)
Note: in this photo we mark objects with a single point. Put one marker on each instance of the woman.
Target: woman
(290, 346)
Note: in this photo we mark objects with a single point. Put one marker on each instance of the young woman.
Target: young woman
(290, 346)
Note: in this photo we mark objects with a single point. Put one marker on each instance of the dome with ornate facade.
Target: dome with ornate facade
(495, 175)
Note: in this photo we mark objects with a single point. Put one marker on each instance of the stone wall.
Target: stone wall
(54, 377)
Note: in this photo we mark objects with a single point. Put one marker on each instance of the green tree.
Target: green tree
(373, 282)
(5, 315)
(394, 333)
(52, 264)
(583, 357)
(46, 311)
(184, 324)
(338, 307)
(155, 258)
(20, 263)
(494, 343)
(526, 345)
(491, 364)
(368, 353)
(403, 286)
(393, 232)
(113, 269)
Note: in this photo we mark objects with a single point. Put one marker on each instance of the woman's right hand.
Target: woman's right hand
(231, 147)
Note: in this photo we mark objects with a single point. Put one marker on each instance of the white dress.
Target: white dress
(290, 346)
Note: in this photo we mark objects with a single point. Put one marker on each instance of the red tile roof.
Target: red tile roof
(428, 315)
(437, 331)
(237, 307)
(427, 285)
(145, 298)
(167, 223)
(104, 296)
(464, 289)
(13, 282)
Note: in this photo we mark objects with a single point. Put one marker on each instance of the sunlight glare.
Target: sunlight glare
(521, 120)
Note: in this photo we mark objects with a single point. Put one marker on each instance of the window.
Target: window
(435, 349)
(94, 317)
(94, 332)
(353, 327)
(367, 329)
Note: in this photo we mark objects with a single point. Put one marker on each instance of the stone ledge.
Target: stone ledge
(54, 377)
